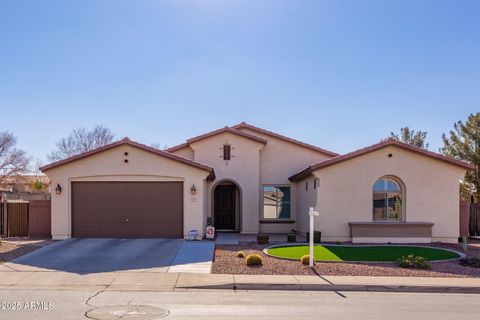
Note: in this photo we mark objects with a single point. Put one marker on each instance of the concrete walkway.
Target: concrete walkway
(194, 257)
(170, 281)
(230, 239)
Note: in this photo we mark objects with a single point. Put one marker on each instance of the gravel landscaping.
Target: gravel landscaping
(10, 250)
(226, 262)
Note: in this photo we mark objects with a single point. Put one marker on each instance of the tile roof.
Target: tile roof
(244, 125)
(214, 133)
(127, 141)
(383, 144)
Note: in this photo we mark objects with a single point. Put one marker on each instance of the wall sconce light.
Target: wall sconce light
(193, 190)
(58, 189)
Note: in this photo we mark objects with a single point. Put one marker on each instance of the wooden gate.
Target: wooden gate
(17, 219)
(474, 219)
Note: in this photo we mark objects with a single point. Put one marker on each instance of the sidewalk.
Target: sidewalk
(194, 257)
(141, 281)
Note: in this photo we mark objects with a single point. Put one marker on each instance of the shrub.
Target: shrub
(317, 236)
(338, 242)
(413, 262)
(38, 185)
(240, 254)
(254, 260)
(305, 260)
(292, 238)
(470, 262)
(262, 239)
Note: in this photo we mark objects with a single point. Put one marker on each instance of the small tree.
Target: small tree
(81, 140)
(463, 143)
(13, 161)
(155, 145)
(417, 139)
(39, 183)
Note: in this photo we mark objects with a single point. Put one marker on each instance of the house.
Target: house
(25, 206)
(25, 184)
(250, 180)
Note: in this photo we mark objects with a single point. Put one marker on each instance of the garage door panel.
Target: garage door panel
(127, 209)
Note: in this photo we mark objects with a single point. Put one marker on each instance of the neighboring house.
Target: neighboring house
(251, 180)
(25, 184)
(25, 206)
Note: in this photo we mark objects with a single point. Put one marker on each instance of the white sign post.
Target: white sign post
(311, 214)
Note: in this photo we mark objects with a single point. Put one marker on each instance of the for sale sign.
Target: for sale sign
(210, 232)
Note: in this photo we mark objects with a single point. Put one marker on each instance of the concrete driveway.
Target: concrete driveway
(85, 256)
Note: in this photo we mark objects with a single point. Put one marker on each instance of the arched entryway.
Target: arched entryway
(226, 206)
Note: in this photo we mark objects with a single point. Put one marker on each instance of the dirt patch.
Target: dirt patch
(11, 250)
(226, 262)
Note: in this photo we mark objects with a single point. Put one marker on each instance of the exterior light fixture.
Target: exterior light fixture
(58, 189)
(193, 190)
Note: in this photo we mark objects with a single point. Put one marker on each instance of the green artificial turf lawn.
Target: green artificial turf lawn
(361, 253)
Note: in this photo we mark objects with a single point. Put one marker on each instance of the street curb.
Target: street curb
(344, 288)
(269, 287)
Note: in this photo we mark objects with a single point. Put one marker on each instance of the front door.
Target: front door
(224, 208)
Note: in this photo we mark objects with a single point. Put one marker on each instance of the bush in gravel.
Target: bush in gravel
(254, 260)
(292, 238)
(413, 262)
(470, 262)
(240, 254)
(262, 239)
(305, 260)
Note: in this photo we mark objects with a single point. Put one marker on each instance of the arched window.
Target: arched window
(387, 200)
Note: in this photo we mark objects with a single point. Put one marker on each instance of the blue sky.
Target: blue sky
(337, 74)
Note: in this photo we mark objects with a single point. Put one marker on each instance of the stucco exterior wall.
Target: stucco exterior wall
(306, 199)
(142, 166)
(279, 160)
(243, 169)
(185, 152)
(345, 192)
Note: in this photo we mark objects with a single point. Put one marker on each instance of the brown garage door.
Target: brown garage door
(127, 209)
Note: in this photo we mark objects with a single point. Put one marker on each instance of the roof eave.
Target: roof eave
(224, 130)
(137, 145)
(177, 147)
(332, 161)
(244, 125)
(214, 133)
(301, 175)
(65, 161)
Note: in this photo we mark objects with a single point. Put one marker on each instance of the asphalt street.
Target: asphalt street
(227, 304)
